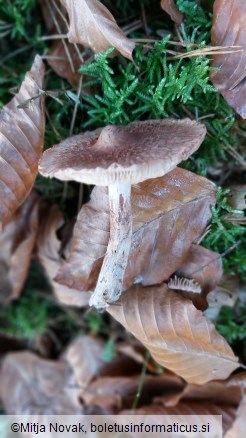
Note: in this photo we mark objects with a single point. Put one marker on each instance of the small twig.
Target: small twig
(67, 25)
(58, 58)
(53, 37)
(63, 41)
(144, 19)
(223, 254)
(235, 154)
(208, 51)
(75, 110)
(208, 116)
(52, 124)
(14, 53)
(132, 27)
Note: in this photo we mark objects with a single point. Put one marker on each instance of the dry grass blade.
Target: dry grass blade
(222, 50)
(21, 142)
(178, 336)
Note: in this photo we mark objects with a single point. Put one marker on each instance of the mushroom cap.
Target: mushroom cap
(123, 154)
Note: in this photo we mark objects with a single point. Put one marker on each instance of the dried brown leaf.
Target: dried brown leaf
(237, 196)
(170, 7)
(92, 25)
(48, 246)
(205, 267)
(17, 242)
(238, 427)
(183, 409)
(108, 395)
(30, 385)
(85, 356)
(168, 212)
(21, 142)
(213, 392)
(112, 394)
(178, 336)
(64, 58)
(59, 62)
(229, 30)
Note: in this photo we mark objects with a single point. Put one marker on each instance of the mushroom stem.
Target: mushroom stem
(110, 280)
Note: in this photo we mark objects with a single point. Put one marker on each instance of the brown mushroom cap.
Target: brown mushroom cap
(123, 154)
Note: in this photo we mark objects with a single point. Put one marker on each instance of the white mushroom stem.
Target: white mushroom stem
(109, 284)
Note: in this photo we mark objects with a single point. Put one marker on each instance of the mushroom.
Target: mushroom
(118, 156)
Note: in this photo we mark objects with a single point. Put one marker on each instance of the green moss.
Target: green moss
(36, 311)
(227, 238)
(231, 324)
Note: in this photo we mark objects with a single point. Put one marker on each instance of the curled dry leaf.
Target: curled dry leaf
(59, 62)
(48, 247)
(87, 367)
(168, 212)
(21, 142)
(238, 427)
(229, 30)
(85, 357)
(92, 25)
(33, 386)
(108, 395)
(16, 246)
(237, 196)
(213, 392)
(178, 336)
(205, 267)
(112, 394)
(170, 7)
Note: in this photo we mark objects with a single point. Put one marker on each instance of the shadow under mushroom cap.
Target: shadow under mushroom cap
(124, 154)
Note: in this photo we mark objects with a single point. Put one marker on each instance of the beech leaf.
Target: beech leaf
(229, 30)
(112, 394)
(203, 410)
(48, 247)
(178, 336)
(16, 245)
(85, 366)
(92, 25)
(169, 6)
(21, 142)
(33, 386)
(168, 212)
(205, 267)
